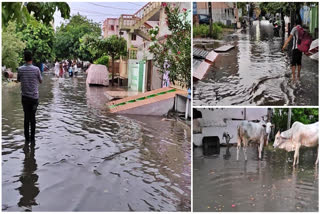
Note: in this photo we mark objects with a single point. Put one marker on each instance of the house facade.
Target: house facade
(214, 122)
(139, 66)
(224, 12)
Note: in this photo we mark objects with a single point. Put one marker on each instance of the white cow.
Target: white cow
(268, 131)
(250, 131)
(299, 135)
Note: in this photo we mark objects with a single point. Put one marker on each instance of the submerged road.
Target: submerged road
(255, 72)
(88, 160)
(221, 183)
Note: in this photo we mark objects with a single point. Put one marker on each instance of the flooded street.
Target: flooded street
(88, 160)
(221, 183)
(255, 72)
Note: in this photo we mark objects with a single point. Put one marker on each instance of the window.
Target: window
(133, 53)
(133, 37)
(112, 27)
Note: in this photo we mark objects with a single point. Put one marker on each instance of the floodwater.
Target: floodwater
(88, 160)
(221, 183)
(255, 72)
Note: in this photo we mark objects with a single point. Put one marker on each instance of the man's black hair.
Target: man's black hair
(27, 56)
(298, 21)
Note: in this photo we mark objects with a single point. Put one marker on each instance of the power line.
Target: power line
(117, 8)
(135, 4)
(93, 12)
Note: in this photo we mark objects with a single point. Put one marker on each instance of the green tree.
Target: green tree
(303, 115)
(12, 47)
(175, 48)
(41, 11)
(89, 48)
(104, 60)
(278, 7)
(68, 37)
(285, 9)
(39, 40)
(243, 6)
(115, 47)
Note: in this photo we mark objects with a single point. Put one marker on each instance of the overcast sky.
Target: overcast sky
(99, 11)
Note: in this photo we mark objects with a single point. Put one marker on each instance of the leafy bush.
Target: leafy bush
(220, 24)
(203, 31)
(104, 60)
(303, 115)
(39, 39)
(12, 47)
(216, 31)
(175, 49)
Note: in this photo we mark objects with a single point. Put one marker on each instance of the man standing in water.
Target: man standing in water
(30, 78)
(296, 53)
(235, 23)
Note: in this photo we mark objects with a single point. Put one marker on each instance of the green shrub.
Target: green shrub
(203, 31)
(224, 26)
(221, 24)
(216, 31)
(104, 60)
(12, 47)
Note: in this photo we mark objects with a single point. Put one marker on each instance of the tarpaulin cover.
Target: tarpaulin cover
(98, 75)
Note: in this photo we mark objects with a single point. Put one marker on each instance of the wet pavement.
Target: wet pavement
(88, 160)
(221, 183)
(255, 72)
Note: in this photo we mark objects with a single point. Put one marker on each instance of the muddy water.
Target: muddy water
(88, 160)
(255, 72)
(221, 183)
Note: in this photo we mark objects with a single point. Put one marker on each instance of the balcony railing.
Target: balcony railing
(145, 10)
(129, 21)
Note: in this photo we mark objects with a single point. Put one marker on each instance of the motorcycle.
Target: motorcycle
(243, 26)
(276, 28)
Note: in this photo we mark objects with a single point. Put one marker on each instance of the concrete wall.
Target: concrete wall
(216, 121)
(180, 104)
(156, 78)
(107, 31)
(123, 68)
(221, 11)
(155, 109)
(163, 27)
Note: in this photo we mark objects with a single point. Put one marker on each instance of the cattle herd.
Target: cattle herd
(299, 135)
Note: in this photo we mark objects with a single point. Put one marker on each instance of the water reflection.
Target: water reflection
(256, 72)
(89, 160)
(29, 186)
(269, 185)
(227, 155)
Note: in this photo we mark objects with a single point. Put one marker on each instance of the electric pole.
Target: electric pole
(210, 16)
(289, 118)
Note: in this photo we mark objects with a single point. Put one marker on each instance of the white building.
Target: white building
(214, 122)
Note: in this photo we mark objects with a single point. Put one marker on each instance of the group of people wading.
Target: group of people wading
(65, 67)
